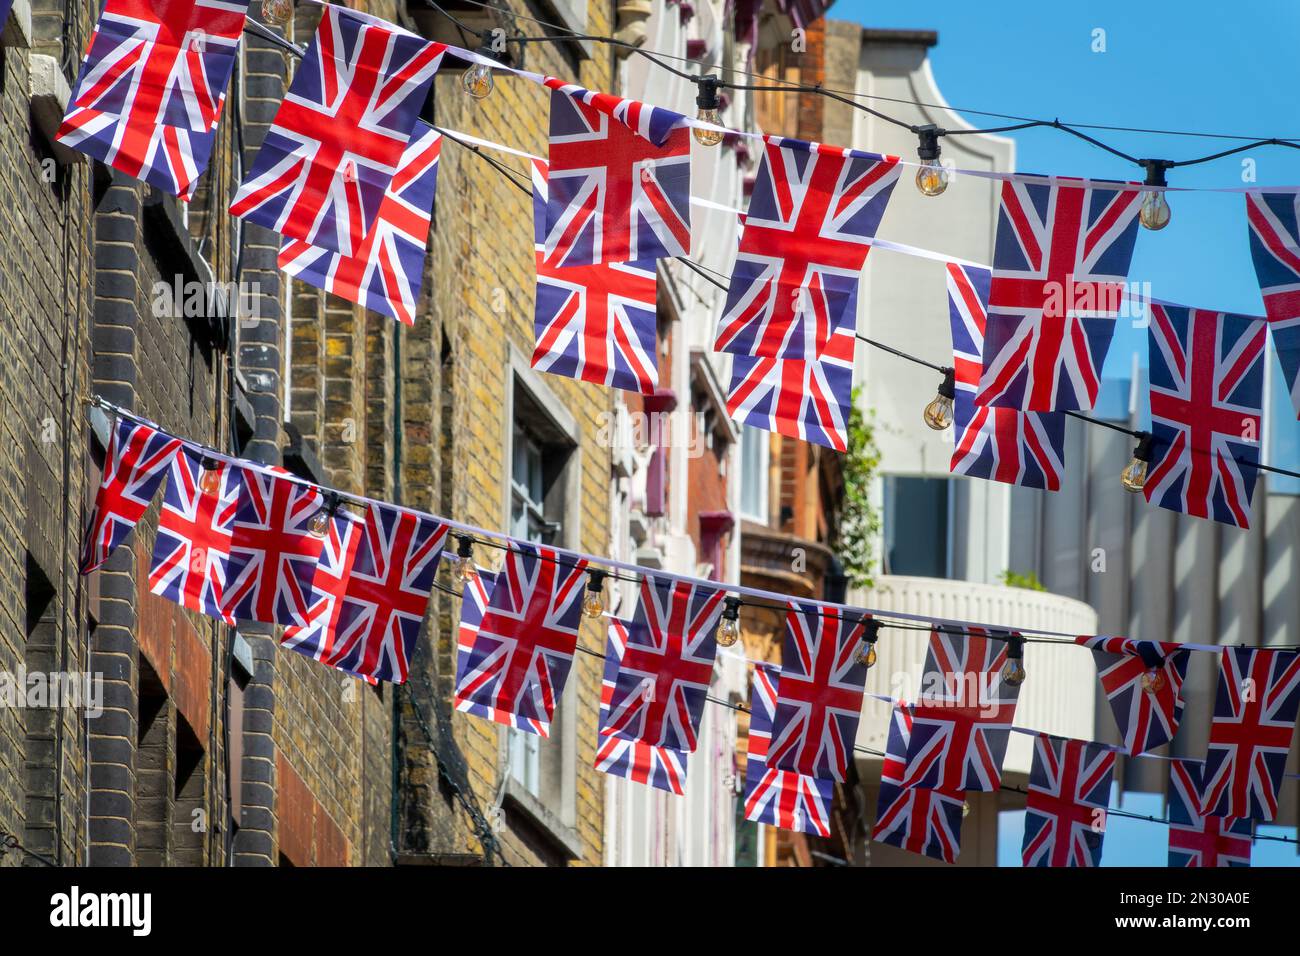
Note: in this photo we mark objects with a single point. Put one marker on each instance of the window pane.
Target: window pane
(753, 473)
(916, 526)
(524, 753)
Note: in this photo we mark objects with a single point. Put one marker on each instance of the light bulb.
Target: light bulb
(938, 414)
(277, 12)
(965, 809)
(592, 605)
(462, 567)
(319, 523)
(932, 178)
(1153, 680)
(1134, 475)
(210, 478)
(706, 98)
(1155, 211)
(708, 137)
(1013, 672)
(728, 631)
(477, 80)
(867, 656)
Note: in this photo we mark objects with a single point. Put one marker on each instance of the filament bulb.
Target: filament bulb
(1153, 680)
(277, 12)
(210, 478)
(319, 523)
(708, 137)
(1154, 213)
(477, 80)
(932, 178)
(592, 605)
(867, 656)
(938, 414)
(728, 631)
(1013, 672)
(1134, 475)
(706, 98)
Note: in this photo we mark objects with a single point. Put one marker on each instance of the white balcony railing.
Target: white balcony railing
(1058, 693)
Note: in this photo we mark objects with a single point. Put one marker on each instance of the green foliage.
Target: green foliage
(1014, 579)
(859, 525)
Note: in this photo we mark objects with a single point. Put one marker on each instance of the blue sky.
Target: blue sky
(1200, 68)
(1194, 66)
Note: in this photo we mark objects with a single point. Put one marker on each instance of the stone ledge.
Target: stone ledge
(50, 93)
(16, 31)
(547, 824)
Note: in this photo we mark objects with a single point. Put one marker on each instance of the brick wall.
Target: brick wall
(82, 252)
(456, 381)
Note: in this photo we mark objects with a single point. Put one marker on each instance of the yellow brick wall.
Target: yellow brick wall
(481, 289)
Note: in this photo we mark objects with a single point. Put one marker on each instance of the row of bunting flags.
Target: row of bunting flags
(240, 541)
(347, 175)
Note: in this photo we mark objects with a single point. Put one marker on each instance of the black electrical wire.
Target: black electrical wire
(850, 98)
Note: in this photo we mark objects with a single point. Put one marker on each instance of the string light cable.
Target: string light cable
(928, 134)
(932, 177)
(938, 414)
(873, 752)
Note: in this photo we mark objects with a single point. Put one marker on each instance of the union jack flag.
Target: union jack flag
(1001, 444)
(660, 767)
(1143, 680)
(962, 720)
(1274, 220)
(339, 135)
(1254, 719)
(192, 551)
(370, 592)
(808, 399)
(513, 668)
(319, 583)
(137, 459)
(1207, 391)
(811, 218)
(595, 323)
(1198, 840)
(152, 85)
(820, 697)
(1065, 811)
(270, 547)
(927, 822)
(781, 798)
(386, 273)
(666, 665)
(620, 180)
(1060, 259)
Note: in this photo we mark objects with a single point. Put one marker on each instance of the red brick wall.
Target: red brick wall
(173, 647)
(308, 835)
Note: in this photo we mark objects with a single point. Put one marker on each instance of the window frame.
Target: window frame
(548, 802)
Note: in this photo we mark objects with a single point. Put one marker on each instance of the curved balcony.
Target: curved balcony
(781, 562)
(1058, 694)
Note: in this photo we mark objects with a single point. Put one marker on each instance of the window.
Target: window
(541, 494)
(916, 526)
(528, 489)
(755, 447)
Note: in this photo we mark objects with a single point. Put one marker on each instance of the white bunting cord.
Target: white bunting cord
(873, 241)
(781, 600)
